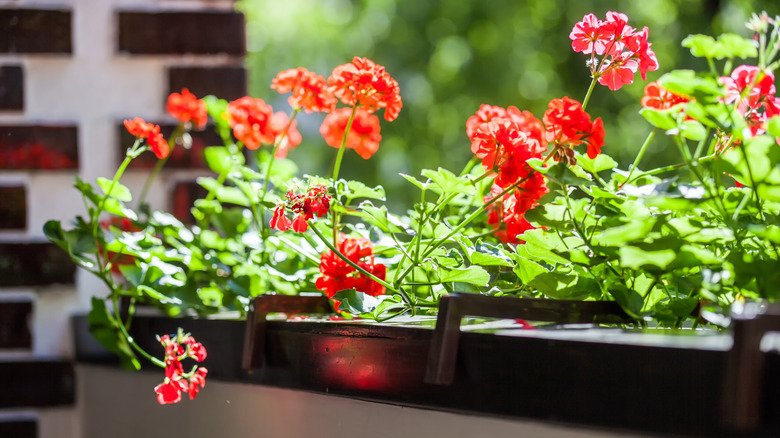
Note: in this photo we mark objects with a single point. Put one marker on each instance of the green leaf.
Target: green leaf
(526, 269)
(693, 130)
(773, 126)
(357, 303)
(219, 159)
(662, 119)
(629, 299)
(561, 173)
(210, 295)
(119, 191)
(600, 163)
(736, 46)
(421, 185)
(472, 275)
(230, 195)
(484, 254)
(636, 258)
(448, 182)
(356, 189)
(701, 46)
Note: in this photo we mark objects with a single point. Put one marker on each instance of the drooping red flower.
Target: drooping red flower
(187, 108)
(337, 275)
(624, 50)
(279, 221)
(177, 348)
(364, 135)
(254, 122)
(159, 145)
(141, 129)
(170, 391)
(197, 381)
(304, 205)
(309, 90)
(364, 83)
(568, 125)
(658, 97)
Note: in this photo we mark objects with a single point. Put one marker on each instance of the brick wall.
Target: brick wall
(70, 72)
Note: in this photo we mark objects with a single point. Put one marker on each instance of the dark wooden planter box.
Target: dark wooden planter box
(604, 378)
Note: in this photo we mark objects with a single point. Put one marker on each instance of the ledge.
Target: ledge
(596, 377)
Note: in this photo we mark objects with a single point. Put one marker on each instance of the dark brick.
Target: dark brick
(180, 158)
(19, 429)
(15, 326)
(34, 264)
(13, 208)
(35, 31)
(36, 384)
(227, 83)
(38, 147)
(11, 88)
(183, 196)
(178, 33)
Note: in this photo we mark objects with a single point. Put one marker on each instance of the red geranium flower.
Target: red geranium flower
(185, 107)
(624, 50)
(337, 275)
(309, 90)
(658, 97)
(177, 348)
(508, 214)
(363, 137)
(197, 381)
(759, 103)
(170, 391)
(140, 129)
(568, 125)
(304, 205)
(254, 122)
(364, 83)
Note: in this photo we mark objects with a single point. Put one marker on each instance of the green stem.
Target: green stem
(639, 156)
(273, 154)
(160, 163)
(590, 91)
(129, 338)
(340, 155)
(131, 153)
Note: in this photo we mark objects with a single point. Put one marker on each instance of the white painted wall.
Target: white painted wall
(94, 88)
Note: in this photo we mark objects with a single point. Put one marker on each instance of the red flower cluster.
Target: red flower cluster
(304, 205)
(505, 139)
(658, 97)
(363, 137)
(140, 129)
(177, 348)
(254, 122)
(568, 125)
(364, 83)
(309, 90)
(625, 49)
(508, 214)
(759, 103)
(337, 275)
(186, 108)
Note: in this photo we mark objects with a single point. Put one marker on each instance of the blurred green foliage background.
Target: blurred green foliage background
(450, 56)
